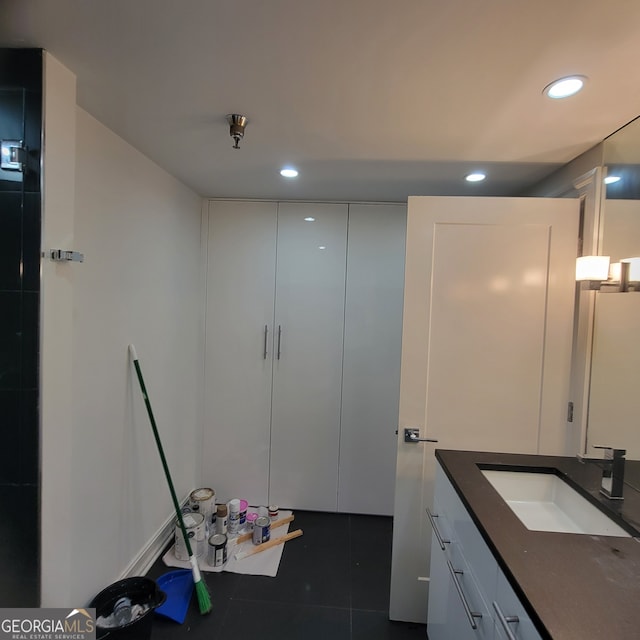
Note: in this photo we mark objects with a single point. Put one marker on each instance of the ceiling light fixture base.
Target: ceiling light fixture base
(237, 124)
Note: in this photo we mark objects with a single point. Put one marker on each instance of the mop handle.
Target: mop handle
(136, 364)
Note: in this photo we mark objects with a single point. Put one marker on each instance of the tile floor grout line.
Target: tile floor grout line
(350, 565)
(293, 604)
(229, 599)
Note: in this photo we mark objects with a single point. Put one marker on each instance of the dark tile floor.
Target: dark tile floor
(332, 583)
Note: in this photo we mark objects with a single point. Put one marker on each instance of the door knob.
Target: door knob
(412, 434)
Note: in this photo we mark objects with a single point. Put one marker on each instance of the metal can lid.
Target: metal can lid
(222, 510)
(191, 520)
(218, 540)
(202, 494)
(262, 521)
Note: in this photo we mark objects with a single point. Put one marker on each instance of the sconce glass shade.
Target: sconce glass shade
(593, 268)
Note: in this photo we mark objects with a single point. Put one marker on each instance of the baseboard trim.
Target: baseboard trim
(152, 550)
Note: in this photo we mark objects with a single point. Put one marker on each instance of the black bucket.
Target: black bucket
(141, 591)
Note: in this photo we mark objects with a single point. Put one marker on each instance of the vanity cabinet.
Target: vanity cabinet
(302, 365)
(469, 596)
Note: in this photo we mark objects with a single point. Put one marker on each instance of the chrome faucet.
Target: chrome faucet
(612, 472)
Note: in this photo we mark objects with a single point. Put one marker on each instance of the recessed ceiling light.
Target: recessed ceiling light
(475, 177)
(564, 87)
(611, 179)
(309, 219)
(322, 247)
(289, 172)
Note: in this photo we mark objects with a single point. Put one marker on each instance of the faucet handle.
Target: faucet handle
(611, 453)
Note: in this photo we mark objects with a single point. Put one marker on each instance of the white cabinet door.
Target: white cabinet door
(371, 366)
(240, 304)
(307, 368)
(486, 346)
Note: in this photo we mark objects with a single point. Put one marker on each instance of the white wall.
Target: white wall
(139, 229)
(56, 335)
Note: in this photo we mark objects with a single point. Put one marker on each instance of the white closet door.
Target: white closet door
(240, 304)
(307, 378)
(372, 349)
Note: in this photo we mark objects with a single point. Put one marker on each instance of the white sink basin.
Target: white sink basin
(544, 502)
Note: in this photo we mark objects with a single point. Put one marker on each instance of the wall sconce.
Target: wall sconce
(597, 273)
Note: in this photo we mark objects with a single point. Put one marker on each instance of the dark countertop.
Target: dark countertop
(574, 586)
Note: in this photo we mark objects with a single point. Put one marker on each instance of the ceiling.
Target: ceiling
(371, 100)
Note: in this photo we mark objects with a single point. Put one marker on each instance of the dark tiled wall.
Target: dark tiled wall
(20, 119)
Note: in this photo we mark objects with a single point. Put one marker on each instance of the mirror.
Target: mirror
(614, 410)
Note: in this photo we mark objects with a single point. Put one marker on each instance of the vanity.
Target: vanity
(493, 576)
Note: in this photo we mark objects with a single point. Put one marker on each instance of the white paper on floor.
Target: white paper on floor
(264, 563)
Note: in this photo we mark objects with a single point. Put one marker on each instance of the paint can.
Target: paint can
(233, 525)
(261, 530)
(274, 512)
(221, 519)
(204, 501)
(194, 524)
(217, 555)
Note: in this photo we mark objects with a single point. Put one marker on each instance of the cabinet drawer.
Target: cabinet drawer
(506, 607)
(457, 610)
(463, 532)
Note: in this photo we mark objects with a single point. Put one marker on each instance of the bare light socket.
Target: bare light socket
(237, 124)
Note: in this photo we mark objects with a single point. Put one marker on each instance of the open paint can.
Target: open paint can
(196, 531)
(203, 501)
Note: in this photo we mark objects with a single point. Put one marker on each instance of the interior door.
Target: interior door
(307, 366)
(487, 326)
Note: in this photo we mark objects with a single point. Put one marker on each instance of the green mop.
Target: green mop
(204, 600)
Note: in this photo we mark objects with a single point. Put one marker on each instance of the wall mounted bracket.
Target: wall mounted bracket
(13, 155)
(59, 255)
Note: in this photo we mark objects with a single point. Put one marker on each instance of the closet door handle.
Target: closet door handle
(441, 540)
(279, 339)
(505, 621)
(471, 615)
(264, 354)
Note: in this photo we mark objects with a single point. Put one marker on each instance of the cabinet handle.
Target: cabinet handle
(279, 339)
(432, 517)
(264, 354)
(471, 615)
(505, 621)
